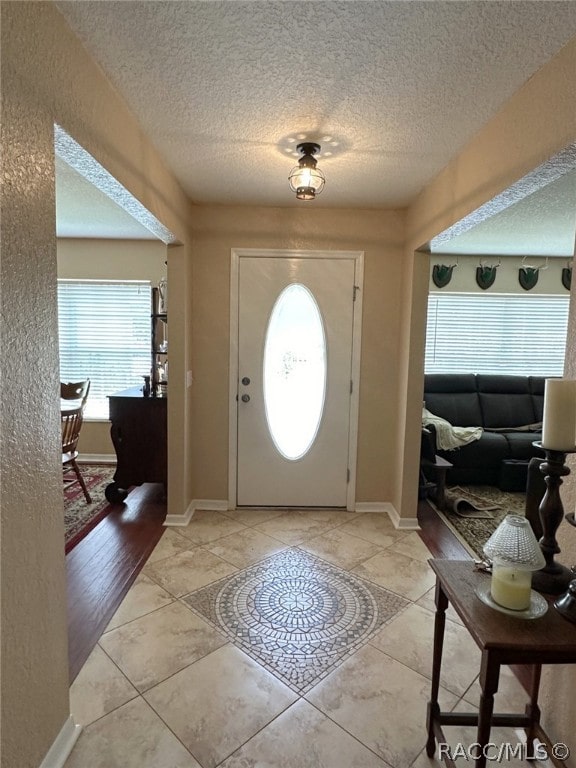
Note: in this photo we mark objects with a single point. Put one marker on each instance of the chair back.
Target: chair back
(71, 421)
(75, 391)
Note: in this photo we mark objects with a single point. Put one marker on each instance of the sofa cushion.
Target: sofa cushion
(450, 382)
(502, 384)
(453, 396)
(506, 410)
(492, 448)
(478, 462)
(461, 409)
(520, 445)
(506, 401)
(537, 384)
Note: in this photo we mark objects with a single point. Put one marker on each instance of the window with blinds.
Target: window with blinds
(496, 333)
(104, 336)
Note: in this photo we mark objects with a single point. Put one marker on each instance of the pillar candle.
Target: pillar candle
(559, 425)
(510, 587)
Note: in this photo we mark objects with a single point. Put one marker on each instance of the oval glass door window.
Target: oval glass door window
(294, 371)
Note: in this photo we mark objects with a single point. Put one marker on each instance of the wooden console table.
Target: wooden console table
(502, 639)
(139, 434)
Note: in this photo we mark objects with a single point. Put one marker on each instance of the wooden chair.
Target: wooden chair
(75, 391)
(71, 421)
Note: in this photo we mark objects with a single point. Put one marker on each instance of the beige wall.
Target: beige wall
(108, 260)
(538, 122)
(111, 259)
(47, 77)
(535, 124)
(380, 235)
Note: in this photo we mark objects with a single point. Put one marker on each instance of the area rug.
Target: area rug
(80, 517)
(297, 615)
(471, 530)
(467, 504)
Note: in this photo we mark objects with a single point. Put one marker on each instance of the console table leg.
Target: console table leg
(433, 706)
(489, 675)
(532, 708)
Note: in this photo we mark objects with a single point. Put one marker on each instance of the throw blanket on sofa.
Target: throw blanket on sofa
(448, 438)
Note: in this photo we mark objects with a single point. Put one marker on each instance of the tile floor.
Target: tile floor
(191, 671)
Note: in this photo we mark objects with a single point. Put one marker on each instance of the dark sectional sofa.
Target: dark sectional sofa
(504, 404)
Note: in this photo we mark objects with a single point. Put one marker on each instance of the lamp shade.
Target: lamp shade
(306, 182)
(513, 543)
(306, 179)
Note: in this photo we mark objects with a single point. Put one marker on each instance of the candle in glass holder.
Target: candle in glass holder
(510, 587)
(559, 423)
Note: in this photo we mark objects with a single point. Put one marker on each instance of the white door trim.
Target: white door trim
(236, 255)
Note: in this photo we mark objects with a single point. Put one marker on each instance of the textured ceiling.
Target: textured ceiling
(224, 89)
(82, 210)
(542, 224)
(392, 91)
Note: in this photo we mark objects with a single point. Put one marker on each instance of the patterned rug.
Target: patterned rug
(80, 517)
(474, 532)
(297, 615)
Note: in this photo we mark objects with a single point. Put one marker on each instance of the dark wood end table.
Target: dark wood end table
(502, 639)
(439, 468)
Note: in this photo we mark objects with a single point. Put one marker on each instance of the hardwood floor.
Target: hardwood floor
(438, 537)
(102, 567)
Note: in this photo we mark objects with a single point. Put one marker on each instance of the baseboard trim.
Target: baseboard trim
(403, 523)
(372, 506)
(220, 505)
(385, 507)
(180, 520)
(62, 745)
(97, 458)
(213, 505)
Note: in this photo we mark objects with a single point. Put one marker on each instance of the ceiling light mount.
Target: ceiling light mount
(306, 179)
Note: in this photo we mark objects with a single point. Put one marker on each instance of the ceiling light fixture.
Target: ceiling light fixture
(305, 178)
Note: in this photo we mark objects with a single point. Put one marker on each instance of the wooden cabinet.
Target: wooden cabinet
(139, 434)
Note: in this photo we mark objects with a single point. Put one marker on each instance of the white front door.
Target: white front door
(294, 368)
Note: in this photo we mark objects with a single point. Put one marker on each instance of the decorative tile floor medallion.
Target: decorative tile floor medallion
(297, 615)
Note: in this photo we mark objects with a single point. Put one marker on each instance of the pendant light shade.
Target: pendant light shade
(306, 179)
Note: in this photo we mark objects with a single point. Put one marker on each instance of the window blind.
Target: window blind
(496, 333)
(104, 336)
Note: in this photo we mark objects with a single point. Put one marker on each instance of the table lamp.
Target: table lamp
(515, 554)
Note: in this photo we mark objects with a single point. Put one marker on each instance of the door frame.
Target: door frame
(235, 256)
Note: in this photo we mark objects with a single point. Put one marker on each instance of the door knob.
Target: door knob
(245, 398)
(245, 381)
